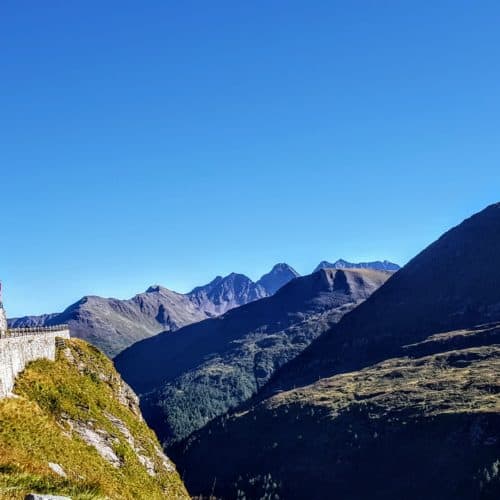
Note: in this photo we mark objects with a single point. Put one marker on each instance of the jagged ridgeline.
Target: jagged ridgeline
(113, 324)
(401, 399)
(74, 428)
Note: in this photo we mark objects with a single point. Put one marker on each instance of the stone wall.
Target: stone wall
(3, 319)
(19, 347)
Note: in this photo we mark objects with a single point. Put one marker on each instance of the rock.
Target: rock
(36, 496)
(57, 469)
(100, 440)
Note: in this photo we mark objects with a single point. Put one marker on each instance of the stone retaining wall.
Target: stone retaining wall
(20, 346)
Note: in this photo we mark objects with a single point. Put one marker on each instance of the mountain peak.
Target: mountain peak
(279, 275)
(236, 276)
(225, 293)
(283, 266)
(154, 289)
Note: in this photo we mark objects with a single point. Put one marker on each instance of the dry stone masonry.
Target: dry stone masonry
(19, 346)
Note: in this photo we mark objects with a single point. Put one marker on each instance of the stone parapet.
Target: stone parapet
(20, 332)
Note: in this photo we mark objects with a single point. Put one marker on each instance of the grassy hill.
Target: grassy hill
(75, 429)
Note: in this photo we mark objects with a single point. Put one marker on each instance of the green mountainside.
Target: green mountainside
(188, 377)
(404, 428)
(74, 428)
(401, 399)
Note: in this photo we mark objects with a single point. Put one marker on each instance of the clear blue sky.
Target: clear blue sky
(171, 141)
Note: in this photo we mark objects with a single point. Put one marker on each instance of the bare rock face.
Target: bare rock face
(279, 276)
(223, 294)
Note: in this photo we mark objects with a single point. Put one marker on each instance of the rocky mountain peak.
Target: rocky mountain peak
(279, 275)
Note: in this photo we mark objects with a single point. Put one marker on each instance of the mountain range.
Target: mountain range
(234, 290)
(400, 399)
(113, 324)
(188, 377)
(348, 383)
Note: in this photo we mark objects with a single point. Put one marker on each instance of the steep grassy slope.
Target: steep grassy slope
(188, 377)
(382, 405)
(76, 414)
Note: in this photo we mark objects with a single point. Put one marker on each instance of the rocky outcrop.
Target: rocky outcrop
(75, 428)
(36, 496)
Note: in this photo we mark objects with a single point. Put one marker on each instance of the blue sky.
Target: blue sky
(168, 142)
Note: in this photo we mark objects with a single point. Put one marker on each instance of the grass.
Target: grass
(407, 427)
(429, 385)
(81, 388)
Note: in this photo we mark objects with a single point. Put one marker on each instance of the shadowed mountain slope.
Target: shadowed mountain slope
(409, 427)
(401, 399)
(190, 376)
(451, 284)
